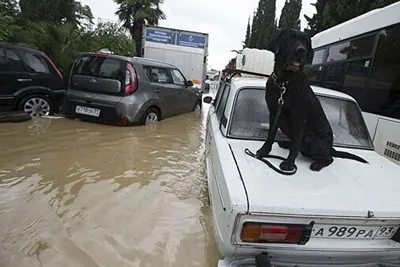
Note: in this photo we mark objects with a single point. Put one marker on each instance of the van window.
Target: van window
(102, 67)
(338, 52)
(383, 96)
(14, 62)
(357, 48)
(35, 63)
(3, 62)
(318, 57)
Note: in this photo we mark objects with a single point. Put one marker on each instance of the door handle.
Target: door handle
(24, 80)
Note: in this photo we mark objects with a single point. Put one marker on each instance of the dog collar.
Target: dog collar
(273, 76)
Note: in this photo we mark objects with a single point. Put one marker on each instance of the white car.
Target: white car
(348, 214)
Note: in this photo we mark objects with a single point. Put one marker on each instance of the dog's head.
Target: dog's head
(292, 50)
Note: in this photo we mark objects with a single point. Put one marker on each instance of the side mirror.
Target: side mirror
(189, 83)
(207, 99)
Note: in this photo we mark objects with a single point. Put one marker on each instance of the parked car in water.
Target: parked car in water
(29, 81)
(346, 215)
(127, 91)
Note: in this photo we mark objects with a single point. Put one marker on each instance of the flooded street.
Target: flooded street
(82, 194)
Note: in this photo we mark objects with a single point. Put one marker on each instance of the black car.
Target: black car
(29, 81)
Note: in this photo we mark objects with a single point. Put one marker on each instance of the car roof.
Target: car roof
(138, 60)
(241, 82)
(20, 47)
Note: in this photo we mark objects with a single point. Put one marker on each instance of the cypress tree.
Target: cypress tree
(290, 16)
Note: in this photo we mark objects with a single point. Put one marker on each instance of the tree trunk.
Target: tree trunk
(136, 33)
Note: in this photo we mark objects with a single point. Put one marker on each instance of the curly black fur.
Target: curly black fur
(302, 118)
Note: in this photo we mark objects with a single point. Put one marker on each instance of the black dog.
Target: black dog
(302, 118)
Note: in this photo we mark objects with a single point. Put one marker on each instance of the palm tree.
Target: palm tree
(136, 13)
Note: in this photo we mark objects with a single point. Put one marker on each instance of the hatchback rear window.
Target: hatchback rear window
(102, 67)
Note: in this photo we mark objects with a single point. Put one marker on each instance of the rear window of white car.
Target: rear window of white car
(250, 119)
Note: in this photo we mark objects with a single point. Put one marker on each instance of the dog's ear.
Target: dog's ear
(274, 45)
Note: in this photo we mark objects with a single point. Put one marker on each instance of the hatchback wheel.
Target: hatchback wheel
(150, 117)
(36, 105)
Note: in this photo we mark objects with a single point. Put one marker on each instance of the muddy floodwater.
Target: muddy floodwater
(74, 193)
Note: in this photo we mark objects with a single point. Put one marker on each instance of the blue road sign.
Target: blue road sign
(159, 36)
(192, 40)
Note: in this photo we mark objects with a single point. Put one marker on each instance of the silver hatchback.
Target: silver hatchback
(127, 91)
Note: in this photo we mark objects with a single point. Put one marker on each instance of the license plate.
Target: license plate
(353, 232)
(88, 111)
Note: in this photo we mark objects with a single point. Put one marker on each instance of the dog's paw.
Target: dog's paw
(286, 166)
(263, 152)
(317, 166)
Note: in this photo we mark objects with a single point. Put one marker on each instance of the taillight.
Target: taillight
(130, 80)
(276, 233)
(54, 67)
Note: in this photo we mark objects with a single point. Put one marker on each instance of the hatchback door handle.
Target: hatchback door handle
(24, 80)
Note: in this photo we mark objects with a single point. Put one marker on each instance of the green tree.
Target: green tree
(290, 16)
(110, 35)
(65, 11)
(8, 28)
(315, 23)
(254, 30)
(268, 24)
(136, 13)
(248, 33)
(264, 26)
(9, 8)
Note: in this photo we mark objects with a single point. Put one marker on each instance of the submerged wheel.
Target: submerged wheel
(150, 117)
(36, 105)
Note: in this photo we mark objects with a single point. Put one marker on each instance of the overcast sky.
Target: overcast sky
(224, 20)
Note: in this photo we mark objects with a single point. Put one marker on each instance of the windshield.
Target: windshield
(250, 119)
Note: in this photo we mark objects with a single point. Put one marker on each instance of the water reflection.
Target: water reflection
(82, 194)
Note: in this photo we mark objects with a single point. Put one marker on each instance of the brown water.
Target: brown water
(81, 194)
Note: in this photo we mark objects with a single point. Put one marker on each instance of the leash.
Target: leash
(269, 164)
(273, 131)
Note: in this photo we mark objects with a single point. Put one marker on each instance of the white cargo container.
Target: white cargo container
(187, 50)
(254, 60)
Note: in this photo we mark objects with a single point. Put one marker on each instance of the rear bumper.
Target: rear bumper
(109, 114)
(360, 260)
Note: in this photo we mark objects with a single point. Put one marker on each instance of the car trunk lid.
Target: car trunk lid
(346, 188)
(98, 73)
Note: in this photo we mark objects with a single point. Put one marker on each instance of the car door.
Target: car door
(165, 89)
(17, 74)
(187, 95)
(214, 140)
(40, 72)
